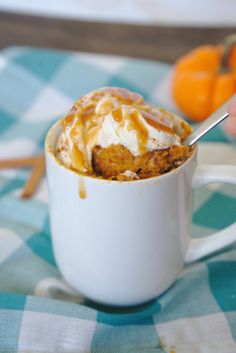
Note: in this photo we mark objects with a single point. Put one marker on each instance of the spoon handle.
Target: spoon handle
(214, 119)
(204, 128)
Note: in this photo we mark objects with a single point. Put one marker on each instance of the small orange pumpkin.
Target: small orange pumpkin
(205, 78)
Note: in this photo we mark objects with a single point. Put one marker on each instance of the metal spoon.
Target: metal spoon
(213, 120)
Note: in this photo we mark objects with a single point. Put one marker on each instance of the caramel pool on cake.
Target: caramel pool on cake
(114, 134)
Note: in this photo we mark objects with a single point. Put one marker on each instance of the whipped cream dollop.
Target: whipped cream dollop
(115, 116)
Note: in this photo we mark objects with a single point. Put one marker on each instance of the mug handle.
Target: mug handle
(207, 174)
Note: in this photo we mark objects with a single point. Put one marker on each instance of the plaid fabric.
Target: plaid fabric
(39, 312)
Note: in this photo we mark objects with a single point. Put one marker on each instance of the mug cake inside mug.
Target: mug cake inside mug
(114, 134)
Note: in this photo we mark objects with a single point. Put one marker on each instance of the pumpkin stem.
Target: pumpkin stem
(228, 44)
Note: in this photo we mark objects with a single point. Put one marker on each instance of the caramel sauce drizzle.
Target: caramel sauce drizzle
(159, 126)
(142, 133)
(77, 159)
(92, 132)
(86, 123)
(68, 120)
(117, 114)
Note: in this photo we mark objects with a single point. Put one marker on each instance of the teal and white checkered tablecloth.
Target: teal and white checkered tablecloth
(39, 312)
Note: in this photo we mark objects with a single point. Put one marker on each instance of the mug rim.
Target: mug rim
(49, 152)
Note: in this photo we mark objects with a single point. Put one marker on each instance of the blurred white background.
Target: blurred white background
(163, 12)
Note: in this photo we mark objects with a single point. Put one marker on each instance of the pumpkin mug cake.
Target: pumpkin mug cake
(113, 133)
(120, 213)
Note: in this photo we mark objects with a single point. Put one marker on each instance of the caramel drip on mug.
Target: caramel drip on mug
(82, 190)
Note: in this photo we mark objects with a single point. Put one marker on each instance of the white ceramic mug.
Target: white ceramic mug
(124, 243)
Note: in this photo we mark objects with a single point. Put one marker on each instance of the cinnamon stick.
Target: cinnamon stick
(17, 162)
(38, 165)
(35, 177)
